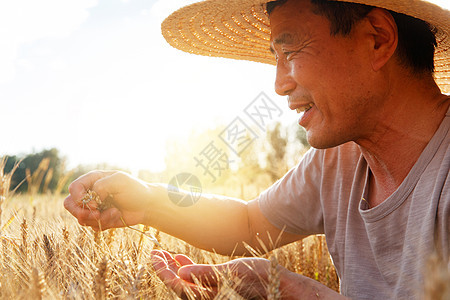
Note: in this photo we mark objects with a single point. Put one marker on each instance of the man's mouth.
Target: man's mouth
(304, 108)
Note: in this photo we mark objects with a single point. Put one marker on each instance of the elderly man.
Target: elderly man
(367, 82)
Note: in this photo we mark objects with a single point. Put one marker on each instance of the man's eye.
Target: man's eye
(289, 54)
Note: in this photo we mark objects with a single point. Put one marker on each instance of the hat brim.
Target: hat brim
(240, 29)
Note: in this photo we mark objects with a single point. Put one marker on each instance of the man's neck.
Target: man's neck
(405, 125)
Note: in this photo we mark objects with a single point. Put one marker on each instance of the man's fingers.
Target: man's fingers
(207, 274)
(161, 253)
(77, 191)
(162, 269)
(92, 217)
(169, 277)
(84, 215)
(110, 218)
(85, 182)
(71, 206)
(172, 264)
(186, 290)
(114, 183)
(183, 260)
(113, 218)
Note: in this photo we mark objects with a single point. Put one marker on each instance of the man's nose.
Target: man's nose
(284, 82)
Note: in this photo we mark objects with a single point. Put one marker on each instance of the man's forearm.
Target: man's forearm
(212, 223)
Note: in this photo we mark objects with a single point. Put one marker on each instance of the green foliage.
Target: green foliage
(52, 172)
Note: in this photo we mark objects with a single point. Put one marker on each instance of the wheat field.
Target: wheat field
(46, 254)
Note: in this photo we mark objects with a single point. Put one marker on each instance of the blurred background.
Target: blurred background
(92, 84)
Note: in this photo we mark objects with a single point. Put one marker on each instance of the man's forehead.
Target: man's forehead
(284, 38)
(290, 30)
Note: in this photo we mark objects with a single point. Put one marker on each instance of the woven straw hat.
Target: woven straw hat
(240, 29)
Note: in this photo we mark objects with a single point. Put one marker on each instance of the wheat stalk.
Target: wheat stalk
(273, 286)
(5, 182)
(138, 282)
(62, 182)
(65, 235)
(24, 230)
(110, 237)
(38, 284)
(49, 252)
(34, 180)
(100, 282)
(47, 180)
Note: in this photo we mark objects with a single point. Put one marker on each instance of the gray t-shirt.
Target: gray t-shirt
(379, 252)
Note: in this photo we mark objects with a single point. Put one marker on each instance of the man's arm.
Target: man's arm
(213, 223)
(217, 223)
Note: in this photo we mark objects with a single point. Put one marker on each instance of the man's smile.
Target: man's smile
(304, 108)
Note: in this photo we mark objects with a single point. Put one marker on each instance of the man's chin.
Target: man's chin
(322, 142)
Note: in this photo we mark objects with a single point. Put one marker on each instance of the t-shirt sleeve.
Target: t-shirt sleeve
(293, 203)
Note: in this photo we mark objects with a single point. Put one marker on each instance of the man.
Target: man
(377, 182)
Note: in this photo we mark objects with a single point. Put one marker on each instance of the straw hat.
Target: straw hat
(240, 29)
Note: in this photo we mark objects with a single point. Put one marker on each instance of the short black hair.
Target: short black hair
(416, 38)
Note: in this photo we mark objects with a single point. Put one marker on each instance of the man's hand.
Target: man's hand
(129, 196)
(249, 277)
(189, 280)
(168, 267)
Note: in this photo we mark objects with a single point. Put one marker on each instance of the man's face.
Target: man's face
(328, 76)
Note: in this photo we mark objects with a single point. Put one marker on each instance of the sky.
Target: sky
(96, 79)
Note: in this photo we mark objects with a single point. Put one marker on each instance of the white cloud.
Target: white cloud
(58, 64)
(8, 53)
(25, 65)
(25, 21)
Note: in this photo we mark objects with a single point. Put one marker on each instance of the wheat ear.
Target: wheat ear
(273, 286)
(38, 284)
(100, 282)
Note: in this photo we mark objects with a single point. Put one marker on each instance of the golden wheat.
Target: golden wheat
(59, 257)
(71, 263)
(273, 286)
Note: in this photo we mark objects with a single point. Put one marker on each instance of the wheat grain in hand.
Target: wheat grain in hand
(102, 205)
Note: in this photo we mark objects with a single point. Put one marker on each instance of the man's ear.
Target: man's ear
(385, 36)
